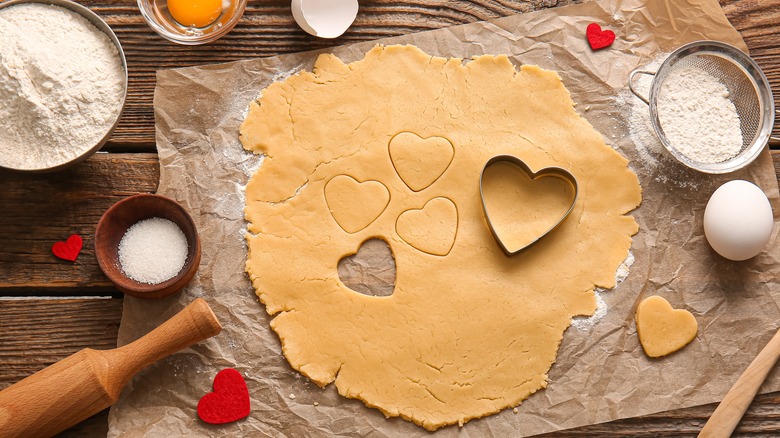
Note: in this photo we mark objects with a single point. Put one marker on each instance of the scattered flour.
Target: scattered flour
(283, 75)
(697, 116)
(61, 85)
(653, 158)
(585, 323)
(648, 147)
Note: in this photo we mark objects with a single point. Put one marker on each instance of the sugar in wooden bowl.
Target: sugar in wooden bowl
(153, 250)
(148, 246)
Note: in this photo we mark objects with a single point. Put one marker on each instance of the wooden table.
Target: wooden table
(50, 309)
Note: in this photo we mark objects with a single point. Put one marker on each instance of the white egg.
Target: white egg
(738, 220)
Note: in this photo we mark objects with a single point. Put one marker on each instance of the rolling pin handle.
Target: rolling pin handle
(89, 381)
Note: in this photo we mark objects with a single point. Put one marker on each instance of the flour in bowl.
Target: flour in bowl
(61, 85)
(698, 117)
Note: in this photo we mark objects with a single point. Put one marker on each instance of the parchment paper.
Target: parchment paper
(601, 373)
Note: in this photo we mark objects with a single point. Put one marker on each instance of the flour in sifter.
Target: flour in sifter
(61, 85)
(697, 116)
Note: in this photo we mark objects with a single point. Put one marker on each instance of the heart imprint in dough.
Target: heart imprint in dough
(342, 192)
(420, 161)
(522, 207)
(431, 229)
(663, 330)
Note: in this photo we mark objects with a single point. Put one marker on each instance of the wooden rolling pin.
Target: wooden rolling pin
(89, 381)
(733, 406)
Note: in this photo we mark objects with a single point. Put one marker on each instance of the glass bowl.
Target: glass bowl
(159, 18)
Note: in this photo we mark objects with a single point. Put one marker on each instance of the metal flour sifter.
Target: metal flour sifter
(748, 89)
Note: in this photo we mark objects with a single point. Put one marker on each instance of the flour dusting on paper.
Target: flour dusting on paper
(195, 172)
(585, 323)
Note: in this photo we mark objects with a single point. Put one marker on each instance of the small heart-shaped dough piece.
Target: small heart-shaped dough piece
(420, 161)
(431, 229)
(355, 205)
(663, 330)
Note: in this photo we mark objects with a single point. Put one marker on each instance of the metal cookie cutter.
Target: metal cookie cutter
(556, 172)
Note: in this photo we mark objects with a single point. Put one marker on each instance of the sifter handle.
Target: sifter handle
(193, 324)
(631, 77)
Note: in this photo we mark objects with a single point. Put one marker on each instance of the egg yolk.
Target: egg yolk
(195, 13)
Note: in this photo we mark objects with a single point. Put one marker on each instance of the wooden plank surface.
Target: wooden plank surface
(267, 29)
(37, 332)
(36, 211)
(34, 333)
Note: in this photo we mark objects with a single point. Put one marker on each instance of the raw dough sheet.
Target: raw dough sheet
(601, 373)
(448, 345)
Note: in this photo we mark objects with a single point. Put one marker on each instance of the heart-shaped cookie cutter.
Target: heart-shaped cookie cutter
(553, 171)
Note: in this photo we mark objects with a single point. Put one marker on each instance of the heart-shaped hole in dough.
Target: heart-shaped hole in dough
(371, 270)
(522, 206)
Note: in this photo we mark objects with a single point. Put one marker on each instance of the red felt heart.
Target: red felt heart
(597, 38)
(69, 249)
(229, 401)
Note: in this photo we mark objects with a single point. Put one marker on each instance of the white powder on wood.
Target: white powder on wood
(152, 251)
(697, 116)
(61, 85)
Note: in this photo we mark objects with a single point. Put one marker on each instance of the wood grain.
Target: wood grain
(89, 381)
(34, 333)
(37, 211)
(267, 29)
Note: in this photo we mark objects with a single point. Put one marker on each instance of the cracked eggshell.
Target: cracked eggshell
(325, 18)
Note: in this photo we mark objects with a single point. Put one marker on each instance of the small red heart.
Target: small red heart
(597, 38)
(229, 401)
(69, 249)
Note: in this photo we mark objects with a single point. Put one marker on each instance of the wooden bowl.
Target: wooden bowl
(124, 214)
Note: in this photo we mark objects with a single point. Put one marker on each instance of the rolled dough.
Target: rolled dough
(467, 331)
